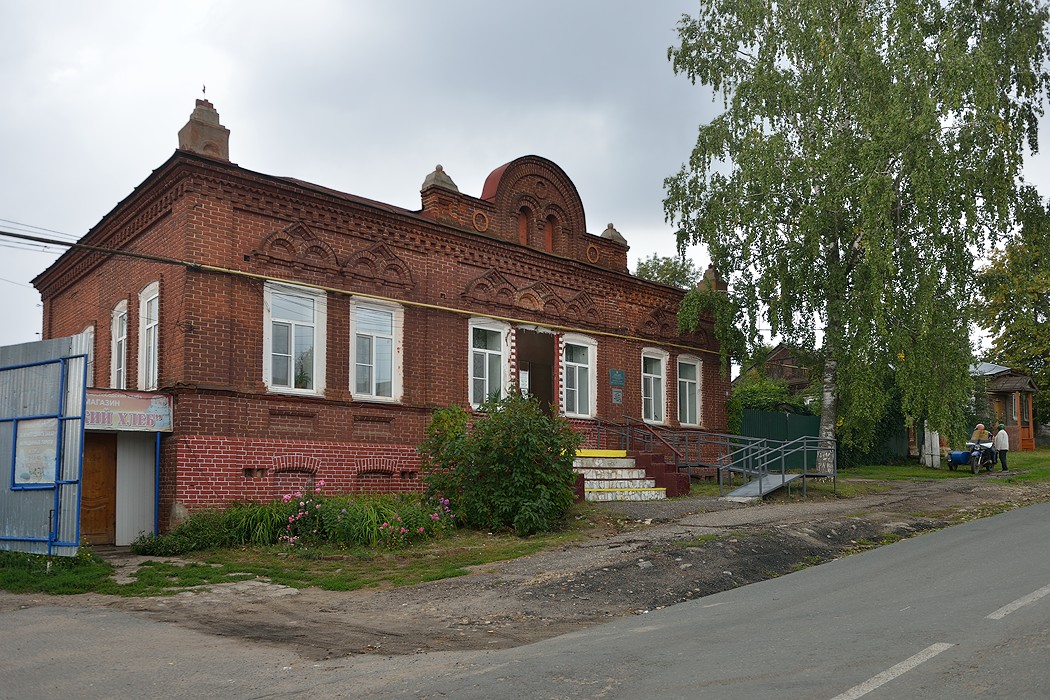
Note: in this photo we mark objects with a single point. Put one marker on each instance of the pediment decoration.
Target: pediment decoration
(297, 246)
(491, 288)
(581, 307)
(540, 297)
(380, 263)
(660, 323)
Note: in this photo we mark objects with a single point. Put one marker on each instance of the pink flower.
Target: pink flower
(318, 505)
(421, 530)
(287, 497)
(403, 531)
(320, 483)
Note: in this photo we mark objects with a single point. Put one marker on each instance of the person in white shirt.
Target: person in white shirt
(1001, 444)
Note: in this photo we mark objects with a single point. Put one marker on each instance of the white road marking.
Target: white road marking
(1020, 603)
(891, 673)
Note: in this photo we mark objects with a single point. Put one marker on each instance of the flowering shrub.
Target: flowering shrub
(308, 517)
(385, 520)
(305, 522)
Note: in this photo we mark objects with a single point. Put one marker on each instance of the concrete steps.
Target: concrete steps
(610, 475)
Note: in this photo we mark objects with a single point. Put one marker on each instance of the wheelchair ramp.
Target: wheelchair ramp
(761, 486)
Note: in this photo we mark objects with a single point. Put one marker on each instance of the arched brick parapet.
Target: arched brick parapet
(545, 189)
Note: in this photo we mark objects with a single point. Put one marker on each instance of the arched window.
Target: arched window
(118, 346)
(523, 225)
(149, 336)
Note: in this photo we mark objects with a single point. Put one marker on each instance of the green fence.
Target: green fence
(780, 426)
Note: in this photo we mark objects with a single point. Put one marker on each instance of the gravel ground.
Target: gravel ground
(668, 552)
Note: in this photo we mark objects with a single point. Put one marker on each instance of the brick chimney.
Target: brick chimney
(204, 134)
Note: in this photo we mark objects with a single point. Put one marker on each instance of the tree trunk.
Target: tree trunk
(829, 407)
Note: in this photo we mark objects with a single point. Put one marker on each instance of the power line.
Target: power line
(21, 225)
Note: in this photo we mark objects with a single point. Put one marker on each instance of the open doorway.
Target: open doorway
(536, 367)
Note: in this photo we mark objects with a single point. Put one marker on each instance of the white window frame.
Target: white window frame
(503, 329)
(592, 374)
(89, 332)
(149, 339)
(659, 400)
(320, 336)
(118, 346)
(397, 313)
(695, 391)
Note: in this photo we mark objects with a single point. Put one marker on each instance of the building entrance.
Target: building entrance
(536, 367)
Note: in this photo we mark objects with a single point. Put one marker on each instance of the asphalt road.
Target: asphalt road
(960, 613)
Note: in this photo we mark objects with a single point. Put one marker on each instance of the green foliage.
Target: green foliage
(761, 394)
(1015, 300)
(205, 529)
(368, 520)
(833, 198)
(512, 469)
(727, 315)
(676, 271)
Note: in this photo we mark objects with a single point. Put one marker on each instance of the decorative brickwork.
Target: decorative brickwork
(519, 254)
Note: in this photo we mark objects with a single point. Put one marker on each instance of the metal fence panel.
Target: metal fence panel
(42, 390)
(780, 426)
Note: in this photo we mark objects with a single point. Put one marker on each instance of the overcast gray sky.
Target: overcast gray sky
(363, 96)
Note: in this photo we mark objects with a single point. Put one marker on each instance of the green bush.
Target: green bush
(513, 468)
(205, 529)
(761, 394)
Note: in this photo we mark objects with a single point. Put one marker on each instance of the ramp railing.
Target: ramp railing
(749, 457)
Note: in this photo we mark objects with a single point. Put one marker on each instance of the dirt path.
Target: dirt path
(676, 551)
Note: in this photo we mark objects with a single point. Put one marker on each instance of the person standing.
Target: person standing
(1001, 444)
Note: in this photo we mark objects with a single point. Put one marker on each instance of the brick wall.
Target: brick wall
(443, 264)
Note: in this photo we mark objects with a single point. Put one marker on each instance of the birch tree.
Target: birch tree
(867, 151)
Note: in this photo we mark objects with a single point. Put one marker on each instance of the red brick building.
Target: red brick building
(307, 333)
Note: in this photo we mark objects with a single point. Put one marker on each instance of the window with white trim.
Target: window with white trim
(489, 360)
(118, 346)
(295, 322)
(89, 333)
(579, 377)
(654, 371)
(149, 336)
(689, 410)
(376, 350)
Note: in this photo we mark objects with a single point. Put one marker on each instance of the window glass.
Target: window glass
(295, 327)
(486, 365)
(374, 353)
(688, 392)
(149, 336)
(577, 371)
(652, 388)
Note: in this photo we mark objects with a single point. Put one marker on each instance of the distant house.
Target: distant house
(1010, 402)
(781, 364)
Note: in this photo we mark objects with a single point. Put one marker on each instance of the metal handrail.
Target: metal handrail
(677, 455)
(751, 457)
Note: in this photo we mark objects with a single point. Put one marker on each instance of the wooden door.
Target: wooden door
(98, 489)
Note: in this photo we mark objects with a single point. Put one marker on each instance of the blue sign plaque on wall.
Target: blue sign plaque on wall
(616, 377)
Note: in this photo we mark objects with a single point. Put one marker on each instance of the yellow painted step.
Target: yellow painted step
(601, 453)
